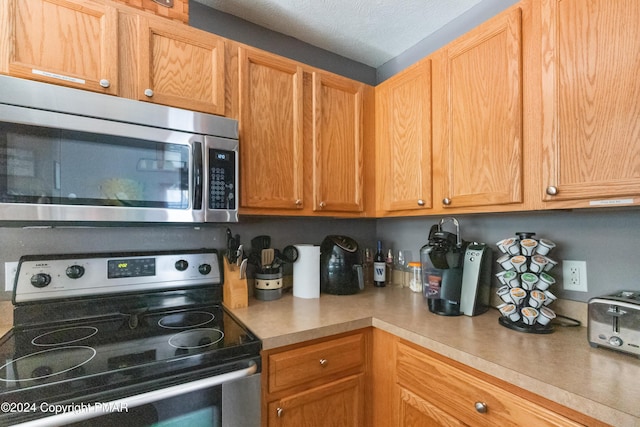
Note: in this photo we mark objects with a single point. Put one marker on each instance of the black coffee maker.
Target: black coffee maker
(442, 261)
(340, 266)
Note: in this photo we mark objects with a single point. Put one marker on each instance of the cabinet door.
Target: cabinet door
(591, 100)
(180, 66)
(417, 412)
(482, 123)
(70, 43)
(271, 131)
(403, 134)
(339, 403)
(338, 179)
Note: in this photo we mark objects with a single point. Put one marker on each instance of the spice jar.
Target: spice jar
(415, 271)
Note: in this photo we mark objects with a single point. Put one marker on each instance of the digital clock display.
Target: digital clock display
(132, 267)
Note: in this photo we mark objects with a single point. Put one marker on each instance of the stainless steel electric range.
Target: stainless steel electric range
(134, 339)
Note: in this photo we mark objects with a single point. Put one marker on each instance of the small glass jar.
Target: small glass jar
(415, 271)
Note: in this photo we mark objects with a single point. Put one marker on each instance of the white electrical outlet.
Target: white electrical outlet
(10, 270)
(574, 275)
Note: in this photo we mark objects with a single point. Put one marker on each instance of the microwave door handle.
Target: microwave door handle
(92, 411)
(56, 175)
(197, 175)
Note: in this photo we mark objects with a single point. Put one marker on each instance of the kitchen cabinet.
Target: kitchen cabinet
(303, 134)
(404, 141)
(590, 92)
(180, 66)
(271, 131)
(66, 42)
(426, 388)
(320, 383)
(338, 143)
(478, 116)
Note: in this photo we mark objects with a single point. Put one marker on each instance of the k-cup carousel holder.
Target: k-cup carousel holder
(525, 281)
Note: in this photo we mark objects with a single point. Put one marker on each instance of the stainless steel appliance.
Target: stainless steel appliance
(614, 322)
(456, 274)
(127, 338)
(341, 270)
(73, 155)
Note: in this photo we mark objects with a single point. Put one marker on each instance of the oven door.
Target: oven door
(228, 400)
(62, 167)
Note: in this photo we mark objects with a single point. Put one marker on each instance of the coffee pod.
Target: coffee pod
(528, 246)
(501, 247)
(510, 311)
(505, 262)
(549, 297)
(528, 281)
(546, 315)
(545, 281)
(519, 262)
(500, 277)
(517, 295)
(537, 299)
(511, 279)
(505, 294)
(538, 263)
(550, 264)
(529, 315)
(511, 246)
(545, 246)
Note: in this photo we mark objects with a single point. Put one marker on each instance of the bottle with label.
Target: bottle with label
(379, 267)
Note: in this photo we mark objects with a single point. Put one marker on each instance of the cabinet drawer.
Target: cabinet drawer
(457, 392)
(316, 363)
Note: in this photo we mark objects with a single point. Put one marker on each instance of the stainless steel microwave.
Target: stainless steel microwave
(76, 156)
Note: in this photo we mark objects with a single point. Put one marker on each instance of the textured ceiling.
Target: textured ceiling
(368, 31)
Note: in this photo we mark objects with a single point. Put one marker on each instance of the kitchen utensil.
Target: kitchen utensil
(266, 257)
(259, 243)
(233, 242)
(290, 254)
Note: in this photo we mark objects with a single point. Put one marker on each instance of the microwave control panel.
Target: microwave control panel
(222, 172)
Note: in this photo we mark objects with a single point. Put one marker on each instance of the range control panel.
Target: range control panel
(40, 278)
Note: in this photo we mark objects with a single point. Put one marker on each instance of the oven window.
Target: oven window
(196, 409)
(41, 165)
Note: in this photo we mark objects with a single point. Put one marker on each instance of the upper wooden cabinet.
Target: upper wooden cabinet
(591, 102)
(70, 43)
(403, 141)
(479, 110)
(338, 144)
(271, 131)
(180, 66)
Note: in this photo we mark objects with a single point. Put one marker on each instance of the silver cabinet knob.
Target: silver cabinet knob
(322, 204)
(148, 92)
(323, 362)
(420, 202)
(446, 201)
(279, 412)
(552, 191)
(105, 83)
(481, 407)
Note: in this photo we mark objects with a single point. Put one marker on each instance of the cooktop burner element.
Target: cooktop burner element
(64, 336)
(48, 363)
(196, 338)
(186, 320)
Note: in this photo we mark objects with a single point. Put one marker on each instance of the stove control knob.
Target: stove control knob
(181, 265)
(204, 269)
(40, 280)
(615, 341)
(75, 271)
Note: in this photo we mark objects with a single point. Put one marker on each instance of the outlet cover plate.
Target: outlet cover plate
(10, 270)
(574, 275)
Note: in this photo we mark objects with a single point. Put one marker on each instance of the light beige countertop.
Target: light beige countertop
(560, 366)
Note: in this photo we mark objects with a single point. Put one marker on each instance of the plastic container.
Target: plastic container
(415, 270)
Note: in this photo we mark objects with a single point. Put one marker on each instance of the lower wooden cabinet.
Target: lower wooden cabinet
(318, 383)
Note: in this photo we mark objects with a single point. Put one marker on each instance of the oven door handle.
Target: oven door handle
(121, 405)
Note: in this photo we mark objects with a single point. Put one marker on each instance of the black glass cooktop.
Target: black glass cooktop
(58, 362)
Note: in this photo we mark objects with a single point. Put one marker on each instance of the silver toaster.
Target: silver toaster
(614, 322)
